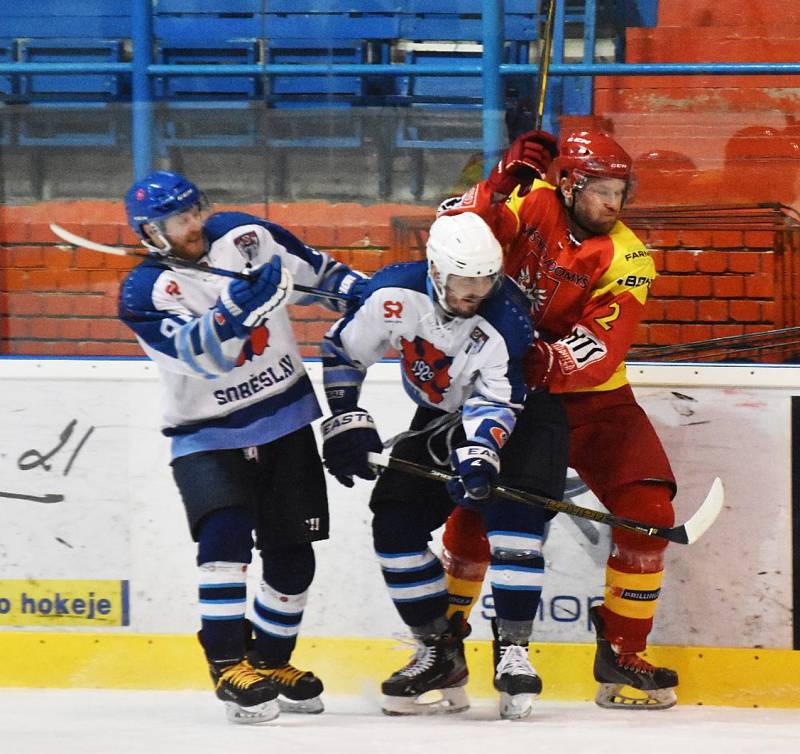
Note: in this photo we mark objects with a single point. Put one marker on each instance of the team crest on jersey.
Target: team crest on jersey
(393, 310)
(427, 368)
(255, 345)
(538, 297)
(529, 284)
(247, 244)
(477, 340)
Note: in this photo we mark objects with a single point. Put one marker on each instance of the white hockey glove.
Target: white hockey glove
(248, 304)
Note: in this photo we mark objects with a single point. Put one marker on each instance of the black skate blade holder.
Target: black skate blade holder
(685, 534)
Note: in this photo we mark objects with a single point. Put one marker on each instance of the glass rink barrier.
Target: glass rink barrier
(338, 130)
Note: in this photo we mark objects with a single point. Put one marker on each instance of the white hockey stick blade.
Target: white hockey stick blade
(174, 261)
(707, 513)
(85, 243)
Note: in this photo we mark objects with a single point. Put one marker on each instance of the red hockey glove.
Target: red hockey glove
(526, 159)
(538, 364)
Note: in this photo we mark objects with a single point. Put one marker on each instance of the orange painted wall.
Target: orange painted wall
(718, 140)
(711, 139)
(62, 302)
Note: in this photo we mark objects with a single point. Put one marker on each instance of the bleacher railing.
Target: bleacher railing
(492, 70)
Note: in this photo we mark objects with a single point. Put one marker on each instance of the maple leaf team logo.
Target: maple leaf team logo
(427, 368)
(255, 345)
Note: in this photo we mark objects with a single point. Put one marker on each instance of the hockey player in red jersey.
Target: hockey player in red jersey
(587, 276)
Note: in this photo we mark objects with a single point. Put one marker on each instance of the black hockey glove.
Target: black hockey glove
(477, 467)
(346, 440)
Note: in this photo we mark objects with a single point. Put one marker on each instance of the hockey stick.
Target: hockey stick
(544, 64)
(685, 534)
(785, 337)
(173, 261)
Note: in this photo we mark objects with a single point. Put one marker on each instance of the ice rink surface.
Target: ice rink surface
(190, 722)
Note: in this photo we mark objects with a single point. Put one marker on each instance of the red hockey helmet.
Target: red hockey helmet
(585, 154)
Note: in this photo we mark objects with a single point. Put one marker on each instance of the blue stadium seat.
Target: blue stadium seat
(70, 110)
(443, 112)
(408, 114)
(324, 90)
(238, 52)
(8, 54)
(87, 19)
(104, 87)
(207, 111)
(323, 111)
(178, 22)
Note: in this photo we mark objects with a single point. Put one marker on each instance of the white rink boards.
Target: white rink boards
(97, 587)
(87, 431)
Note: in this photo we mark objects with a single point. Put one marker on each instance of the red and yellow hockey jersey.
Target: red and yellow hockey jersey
(586, 298)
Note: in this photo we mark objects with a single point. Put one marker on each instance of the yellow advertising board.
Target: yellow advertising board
(56, 602)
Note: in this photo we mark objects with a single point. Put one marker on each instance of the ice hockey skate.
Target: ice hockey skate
(627, 681)
(298, 690)
(433, 681)
(249, 698)
(515, 678)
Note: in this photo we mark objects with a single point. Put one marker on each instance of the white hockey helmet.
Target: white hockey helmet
(461, 245)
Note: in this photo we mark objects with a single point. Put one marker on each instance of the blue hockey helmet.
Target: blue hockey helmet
(155, 198)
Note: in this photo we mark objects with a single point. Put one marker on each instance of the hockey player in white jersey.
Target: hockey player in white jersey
(238, 406)
(461, 328)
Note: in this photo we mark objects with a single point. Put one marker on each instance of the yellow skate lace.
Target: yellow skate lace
(287, 674)
(242, 675)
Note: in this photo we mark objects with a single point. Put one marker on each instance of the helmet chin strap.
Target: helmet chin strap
(165, 246)
(166, 249)
(162, 251)
(437, 295)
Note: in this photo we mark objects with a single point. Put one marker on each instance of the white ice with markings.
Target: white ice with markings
(192, 722)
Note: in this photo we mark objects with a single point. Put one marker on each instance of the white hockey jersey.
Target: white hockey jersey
(471, 364)
(218, 390)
